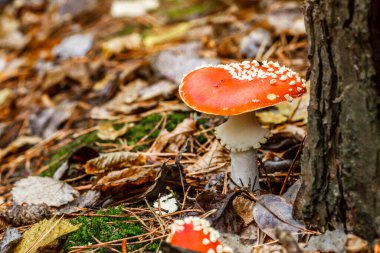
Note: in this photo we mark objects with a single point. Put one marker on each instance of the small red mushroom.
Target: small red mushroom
(237, 90)
(195, 234)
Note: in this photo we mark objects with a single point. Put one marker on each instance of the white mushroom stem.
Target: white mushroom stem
(242, 134)
(244, 170)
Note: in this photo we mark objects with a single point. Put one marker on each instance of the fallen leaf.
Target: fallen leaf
(74, 46)
(251, 44)
(72, 8)
(20, 142)
(237, 243)
(38, 190)
(216, 159)
(132, 8)
(113, 161)
(167, 34)
(161, 88)
(128, 94)
(43, 233)
(224, 217)
(286, 18)
(330, 241)
(119, 44)
(178, 61)
(244, 207)
(77, 69)
(106, 131)
(129, 178)
(273, 212)
(10, 36)
(355, 244)
(21, 215)
(11, 238)
(173, 140)
(4, 94)
(291, 194)
(47, 121)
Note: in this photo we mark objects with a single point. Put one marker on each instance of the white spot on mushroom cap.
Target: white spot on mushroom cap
(205, 241)
(248, 71)
(288, 97)
(271, 96)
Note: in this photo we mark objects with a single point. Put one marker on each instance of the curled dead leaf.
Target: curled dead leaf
(129, 178)
(216, 159)
(21, 215)
(113, 161)
(108, 132)
(243, 207)
(173, 140)
(273, 212)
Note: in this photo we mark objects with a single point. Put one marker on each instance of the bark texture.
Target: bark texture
(341, 161)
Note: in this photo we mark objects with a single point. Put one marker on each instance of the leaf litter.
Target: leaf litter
(89, 95)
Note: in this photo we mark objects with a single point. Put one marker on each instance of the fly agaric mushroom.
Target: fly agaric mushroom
(195, 234)
(237, 90)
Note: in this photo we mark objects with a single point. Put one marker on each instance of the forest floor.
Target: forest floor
(99, 154)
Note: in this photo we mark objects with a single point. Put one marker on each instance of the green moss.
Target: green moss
(174, 119)
(147, 124)
(105, 229)
(141, 129)
(153, 246)
(187, 11)
(128, 29)
(202, 122)
(61, 155)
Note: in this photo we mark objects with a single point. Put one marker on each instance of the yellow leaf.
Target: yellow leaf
(171, 33)
(44, 233)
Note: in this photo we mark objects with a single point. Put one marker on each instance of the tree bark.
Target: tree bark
(341, 158)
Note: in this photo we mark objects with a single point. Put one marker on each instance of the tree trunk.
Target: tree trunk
(341, 160)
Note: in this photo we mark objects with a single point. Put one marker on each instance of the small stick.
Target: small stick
(292, 166)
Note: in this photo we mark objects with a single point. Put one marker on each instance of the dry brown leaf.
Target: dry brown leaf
(244, 208)
(161, 88)
(127, 178)
(20, 142)
(76, 69)
(273, 212)
(108, 132)
(214, 160)
(21, 215)
(355, 244)
(127, 95)
(173, 140)
(113, 161)
(119, 44)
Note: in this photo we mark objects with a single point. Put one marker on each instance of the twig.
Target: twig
(292, 166)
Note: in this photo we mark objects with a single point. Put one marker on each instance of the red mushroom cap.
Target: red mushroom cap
(195, 234)
(237, 88)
